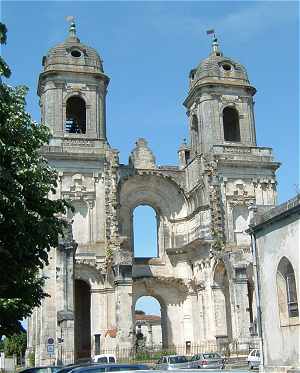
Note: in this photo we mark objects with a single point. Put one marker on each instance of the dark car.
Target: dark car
(47, 369)
(211, 360)
(68, 368)
(95, 368)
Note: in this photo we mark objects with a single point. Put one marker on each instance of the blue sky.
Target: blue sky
(149, 48)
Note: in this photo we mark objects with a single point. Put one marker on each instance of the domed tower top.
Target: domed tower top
(219, 104)
(218, 68)
(72, 55)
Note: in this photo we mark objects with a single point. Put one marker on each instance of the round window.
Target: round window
(76, 53)
(226, 67)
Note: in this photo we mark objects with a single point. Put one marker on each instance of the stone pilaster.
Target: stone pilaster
(65, 298)
(240, 305)
(124, 312)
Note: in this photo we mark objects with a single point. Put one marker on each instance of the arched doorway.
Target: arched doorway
(150, 324)
(82, 320)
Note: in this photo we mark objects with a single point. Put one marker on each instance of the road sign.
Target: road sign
(50, 349)
(50, 341)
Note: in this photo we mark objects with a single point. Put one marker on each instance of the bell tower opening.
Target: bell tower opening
(75, 115)
(231, 125)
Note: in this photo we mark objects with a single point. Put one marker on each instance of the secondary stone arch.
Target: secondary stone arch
(163, 315)
(162, 194)
(171, 294)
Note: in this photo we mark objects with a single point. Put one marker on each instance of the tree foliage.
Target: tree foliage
(29, 221)
(15, 344)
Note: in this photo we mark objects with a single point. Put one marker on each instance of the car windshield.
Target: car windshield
(211, 356)
(177, 359)
(102, 359)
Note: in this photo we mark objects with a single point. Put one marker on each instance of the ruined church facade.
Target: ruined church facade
(203, 273)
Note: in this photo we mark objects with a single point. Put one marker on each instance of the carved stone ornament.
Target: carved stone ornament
(194, 285)
(122, 256)
(240, 200)
(91, 263)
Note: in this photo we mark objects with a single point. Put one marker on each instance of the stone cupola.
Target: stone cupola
(220, 103)
(72, 90)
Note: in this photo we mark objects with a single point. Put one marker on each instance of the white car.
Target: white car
(253, 358)
(105, 359)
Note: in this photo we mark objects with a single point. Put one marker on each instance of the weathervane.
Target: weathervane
(72, 28)
(211, 32)
(215, 44)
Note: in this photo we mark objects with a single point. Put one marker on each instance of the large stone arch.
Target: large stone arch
(160, 193)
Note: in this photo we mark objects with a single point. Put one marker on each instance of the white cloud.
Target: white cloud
(242, 20)
(257, 18)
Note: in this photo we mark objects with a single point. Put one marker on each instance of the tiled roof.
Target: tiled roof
(139, 317)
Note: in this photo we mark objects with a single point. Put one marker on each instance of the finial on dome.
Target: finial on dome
(72, 28)
(215, 44)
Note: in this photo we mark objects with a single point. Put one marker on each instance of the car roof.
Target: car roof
(95, 366)
(171, 355)
(40, 367)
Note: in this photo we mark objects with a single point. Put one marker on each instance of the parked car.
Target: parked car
(171, 362)
(105, 358)
(46, 369)
(209, 360)
(253, 358)
(68, 368)
(97, 368)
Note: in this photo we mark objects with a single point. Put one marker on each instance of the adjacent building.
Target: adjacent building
(276, 243)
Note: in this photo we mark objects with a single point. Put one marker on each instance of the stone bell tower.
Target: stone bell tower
(220, 104)
(235, 175)
(72, 90)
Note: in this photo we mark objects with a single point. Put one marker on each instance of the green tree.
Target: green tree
(30, 222)
(15, 345)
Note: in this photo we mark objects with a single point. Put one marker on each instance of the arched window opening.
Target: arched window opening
(231, 124)
(75, 115)
(150, 324)
(82, 319)
(287, 290)
(145, 232)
